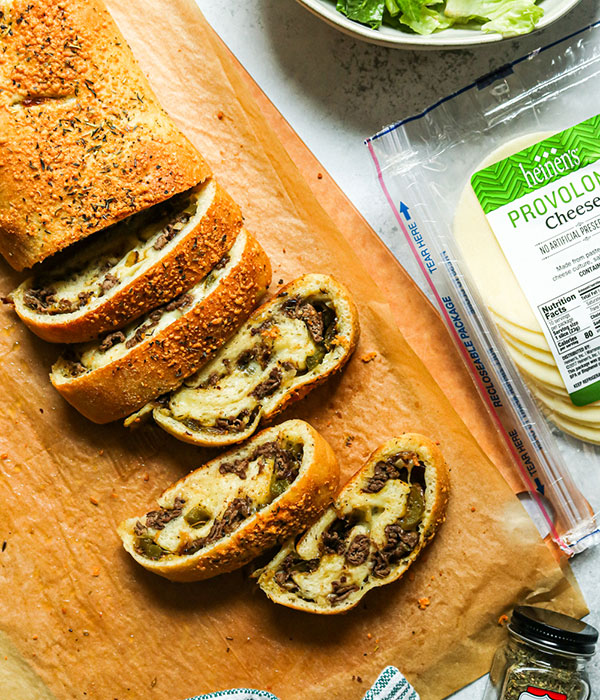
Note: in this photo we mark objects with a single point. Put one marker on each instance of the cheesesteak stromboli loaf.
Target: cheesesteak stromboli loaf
(117, 374)
(287, 347)
(132, 267)
(224, 514)
(83, 141)
(376, 528)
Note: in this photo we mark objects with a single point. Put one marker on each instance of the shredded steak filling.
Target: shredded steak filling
(237, 423)
(286, 463)
(73, 365)
(399, 544)
(318, 317)
(236, 512)
(291, 565)
(157, 519)
(358, 551)
(179, 302)
(261, 353)
(107, 283)
(43, 298)
(39, 299)
(142, 330)
(340, 590)
(269, 385)
(334, 538)
(404, 465)
(313, 320)
(110, 340)
(224, 424)
(171, 230)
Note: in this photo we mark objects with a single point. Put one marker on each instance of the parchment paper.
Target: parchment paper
(89, 621)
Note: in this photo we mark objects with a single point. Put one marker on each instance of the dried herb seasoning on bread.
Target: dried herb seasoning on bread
(83, 141)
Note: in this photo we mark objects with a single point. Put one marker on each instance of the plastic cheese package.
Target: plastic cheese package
(497, 191)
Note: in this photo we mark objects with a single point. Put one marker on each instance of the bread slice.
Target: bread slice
(109, 378)
(84, 142)
(230, 510)
(134, 266)
(288, 346)
(376, 528)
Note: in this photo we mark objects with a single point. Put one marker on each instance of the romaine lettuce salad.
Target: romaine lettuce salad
(507, 17)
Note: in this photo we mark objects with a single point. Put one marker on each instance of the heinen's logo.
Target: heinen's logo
(550, 165)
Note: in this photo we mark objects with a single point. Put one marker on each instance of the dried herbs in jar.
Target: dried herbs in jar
(545, 658)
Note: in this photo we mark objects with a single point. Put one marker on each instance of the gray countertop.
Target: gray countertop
(335, 91)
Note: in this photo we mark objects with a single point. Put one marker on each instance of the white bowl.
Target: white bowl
(445, 39)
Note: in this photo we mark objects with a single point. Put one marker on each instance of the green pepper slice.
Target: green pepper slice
(316, 358)
(414, 508)
(150, 549)
(197, 516)
(278, 486)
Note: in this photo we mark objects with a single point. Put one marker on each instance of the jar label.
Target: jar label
(540, 694)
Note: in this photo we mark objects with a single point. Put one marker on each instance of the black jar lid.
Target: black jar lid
(554, 630)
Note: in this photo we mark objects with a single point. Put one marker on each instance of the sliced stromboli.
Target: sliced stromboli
(373, 532)
(111, 377)
(136, 265)
(286, 348)
(224, 514)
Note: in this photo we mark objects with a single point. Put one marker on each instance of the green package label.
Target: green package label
(543, 205)
(540, 165)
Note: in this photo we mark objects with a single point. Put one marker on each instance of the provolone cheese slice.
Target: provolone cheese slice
(516, 346)
(589, 415)
(535, 338)
(582, 431)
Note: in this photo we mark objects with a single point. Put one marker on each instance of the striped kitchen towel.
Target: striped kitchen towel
(390, 685)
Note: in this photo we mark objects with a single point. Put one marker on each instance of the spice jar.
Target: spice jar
(545, 658)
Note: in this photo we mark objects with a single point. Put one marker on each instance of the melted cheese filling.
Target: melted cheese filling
(371, 513)
(202, 491)
(383, 509)
(214, 491)
(92, 357)
(236, 382)
(121, 253)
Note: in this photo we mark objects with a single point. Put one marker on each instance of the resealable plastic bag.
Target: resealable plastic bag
(549, 99)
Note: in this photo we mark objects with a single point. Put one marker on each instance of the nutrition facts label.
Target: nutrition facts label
(543, 205)
(573, 321)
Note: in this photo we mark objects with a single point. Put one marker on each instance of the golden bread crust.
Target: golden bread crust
(309, 494)
(161, 362)
(435, 508)
(83, 141)
(178, 270)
